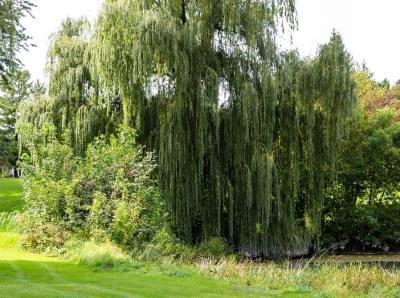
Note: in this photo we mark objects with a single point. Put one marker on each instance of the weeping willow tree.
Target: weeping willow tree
(244, 134)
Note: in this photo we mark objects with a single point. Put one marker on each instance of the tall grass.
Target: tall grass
(105, 256)
(9, 222)
(324, 277)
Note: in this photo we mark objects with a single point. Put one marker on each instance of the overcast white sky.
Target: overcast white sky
(369, 29)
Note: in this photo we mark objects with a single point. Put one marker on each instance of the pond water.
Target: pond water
(382, 260)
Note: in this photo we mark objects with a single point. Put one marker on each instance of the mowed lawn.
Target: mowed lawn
(10, 194)
(24, 274)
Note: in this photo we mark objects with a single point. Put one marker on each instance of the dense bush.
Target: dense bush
(109, 194)
(362, 226)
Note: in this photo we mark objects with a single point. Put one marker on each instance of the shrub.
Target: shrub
(116, 195)
(166, 246)
(214, 247)
(109, 194)
(44, 237)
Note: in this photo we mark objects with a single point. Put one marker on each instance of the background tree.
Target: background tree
(38, 89)
(17, 89)
(13, 35)
(361, 210)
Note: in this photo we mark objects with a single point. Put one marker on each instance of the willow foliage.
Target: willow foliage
(243, 133)
(75, 100)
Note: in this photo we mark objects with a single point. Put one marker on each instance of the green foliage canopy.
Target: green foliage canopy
(361, 209)
(12, 34)
(12, 93)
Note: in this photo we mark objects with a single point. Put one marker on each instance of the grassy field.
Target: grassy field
(24, 274)
(10, 195)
